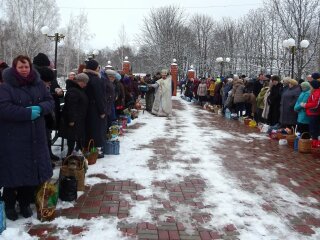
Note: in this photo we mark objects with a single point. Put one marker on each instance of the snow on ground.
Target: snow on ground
(229, 203)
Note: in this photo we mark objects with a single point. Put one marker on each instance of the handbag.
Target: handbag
(46, 201)
(68, 188)
(74, 166)
(2, 215)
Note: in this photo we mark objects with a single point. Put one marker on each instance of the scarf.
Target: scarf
(24, 81)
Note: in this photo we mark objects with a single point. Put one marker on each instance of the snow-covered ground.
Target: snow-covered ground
(229, 202)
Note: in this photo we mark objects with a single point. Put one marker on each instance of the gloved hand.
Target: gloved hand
(35, 114)
(38, 108)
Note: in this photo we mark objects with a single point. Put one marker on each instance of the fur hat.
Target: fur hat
(82, 77)
(41, 60)
(92, 64)
(315, 75)
(293, 82)
(315, 84)
(110, 72)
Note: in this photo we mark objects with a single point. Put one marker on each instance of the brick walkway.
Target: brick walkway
(184, 207)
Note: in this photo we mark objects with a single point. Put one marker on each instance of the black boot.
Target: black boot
(53, 157)
(26, 211)
(11, 214)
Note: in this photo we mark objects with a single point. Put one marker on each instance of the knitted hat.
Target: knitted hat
(41, 60)
(305, 85)
(92, 64)
(315, 84)
(315, 75)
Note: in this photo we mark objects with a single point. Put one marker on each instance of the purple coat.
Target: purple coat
(24, 154)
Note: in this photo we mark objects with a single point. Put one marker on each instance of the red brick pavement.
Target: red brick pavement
(106, 199)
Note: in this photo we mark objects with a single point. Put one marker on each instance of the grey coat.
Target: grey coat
(288, 99)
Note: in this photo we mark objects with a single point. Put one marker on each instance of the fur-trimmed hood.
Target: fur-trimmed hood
(89, 71)
(9, 78)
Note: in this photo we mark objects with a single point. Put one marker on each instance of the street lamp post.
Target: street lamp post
(222, 61)
(291, 45)
(56, 38)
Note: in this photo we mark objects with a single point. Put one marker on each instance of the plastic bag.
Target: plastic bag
(2, 216)
(283, 142)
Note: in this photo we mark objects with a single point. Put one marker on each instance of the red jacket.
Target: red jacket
(312, 103)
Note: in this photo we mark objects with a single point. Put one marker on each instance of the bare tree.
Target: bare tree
(202, 26)
(161, 33)
(26, 17)
(300, 19)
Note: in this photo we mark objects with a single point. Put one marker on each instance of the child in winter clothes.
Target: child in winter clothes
(313, 111)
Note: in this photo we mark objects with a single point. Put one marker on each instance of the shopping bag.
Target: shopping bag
(2, 215)
(46, 201)
(68, 188)
(74, 166)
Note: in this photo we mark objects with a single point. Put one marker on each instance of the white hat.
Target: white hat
(111, 72)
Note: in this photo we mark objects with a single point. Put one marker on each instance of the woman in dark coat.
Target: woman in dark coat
(74, 112)
(24, 156)
(274, 101)
(96, 114)
(289, 117)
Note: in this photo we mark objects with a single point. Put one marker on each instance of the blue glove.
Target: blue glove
(34, 114)
(38, 108)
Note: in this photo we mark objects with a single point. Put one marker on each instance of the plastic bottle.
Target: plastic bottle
(296, 142)
(228, 113)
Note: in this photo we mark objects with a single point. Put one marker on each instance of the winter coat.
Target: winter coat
(257, 86)
(74, 110)
(260, 97)
(119, 94)
(24, 153)
(189, 88)
(227, 87)
(237, 91)
(266, 106)
(211, 88)
(312, 102)
(217, 99)
(202, 90)
(274, 100)
(288, 99)
(302, 116)
(110, 95)
(96, 93)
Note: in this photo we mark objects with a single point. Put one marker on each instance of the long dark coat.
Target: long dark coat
(74, 110)
(288, 99)
(274, 100)
(24, 154)
(95, 125)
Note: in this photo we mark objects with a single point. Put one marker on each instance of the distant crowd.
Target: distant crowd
(280, 103)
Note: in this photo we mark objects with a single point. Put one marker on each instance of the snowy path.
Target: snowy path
(193, 176)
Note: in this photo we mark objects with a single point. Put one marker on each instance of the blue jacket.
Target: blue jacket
(302, 116)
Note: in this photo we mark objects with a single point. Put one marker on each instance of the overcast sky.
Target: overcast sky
(106, 18)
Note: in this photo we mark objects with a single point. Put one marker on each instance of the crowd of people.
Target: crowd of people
(280, 103)
(30, 106)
